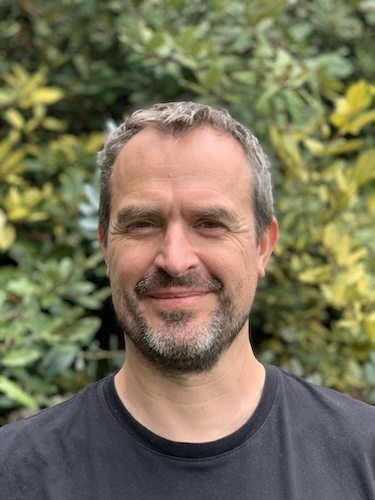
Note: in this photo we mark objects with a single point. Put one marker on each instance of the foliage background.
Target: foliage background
(299, 73)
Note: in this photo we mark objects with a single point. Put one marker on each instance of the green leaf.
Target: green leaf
(57, 360)
(16, 393)
(20, 357)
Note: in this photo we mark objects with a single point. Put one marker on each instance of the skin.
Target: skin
(181, 208)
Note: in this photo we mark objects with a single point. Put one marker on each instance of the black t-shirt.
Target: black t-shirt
(303, 442)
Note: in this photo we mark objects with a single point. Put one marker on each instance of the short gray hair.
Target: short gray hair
(178, 118)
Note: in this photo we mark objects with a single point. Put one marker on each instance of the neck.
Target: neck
(193, 408)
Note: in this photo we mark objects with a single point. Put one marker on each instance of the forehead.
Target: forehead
(201, 171)
(202, 153)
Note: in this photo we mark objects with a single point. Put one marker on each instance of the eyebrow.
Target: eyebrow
(215, 212)
(133, 212)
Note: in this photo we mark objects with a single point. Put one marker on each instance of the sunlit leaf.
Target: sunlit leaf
(47, 95)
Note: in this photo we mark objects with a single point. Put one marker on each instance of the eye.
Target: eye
(211, 227)
(142, 224)
(210, 224)
(142, 227)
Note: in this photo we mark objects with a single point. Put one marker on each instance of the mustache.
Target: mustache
(161, 279)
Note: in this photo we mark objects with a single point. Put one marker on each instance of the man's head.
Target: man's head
(183, 246)
(176, 119)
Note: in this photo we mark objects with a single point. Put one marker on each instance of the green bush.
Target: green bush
(45, 295)
(297, 73)
(320, 298)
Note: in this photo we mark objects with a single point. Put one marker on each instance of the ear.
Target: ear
(103, 244)
(266, 246)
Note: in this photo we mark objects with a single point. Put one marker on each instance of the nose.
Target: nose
(177, 253)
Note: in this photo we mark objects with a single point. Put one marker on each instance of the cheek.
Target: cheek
(127, 265)
(235, 263)
(239, 276)
(231, 271)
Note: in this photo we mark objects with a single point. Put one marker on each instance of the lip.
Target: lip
(177, 298)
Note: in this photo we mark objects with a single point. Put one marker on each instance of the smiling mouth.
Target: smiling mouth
(177, 298)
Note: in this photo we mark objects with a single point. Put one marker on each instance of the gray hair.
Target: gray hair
(178, 118)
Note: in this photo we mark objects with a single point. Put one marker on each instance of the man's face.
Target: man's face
(181, 253)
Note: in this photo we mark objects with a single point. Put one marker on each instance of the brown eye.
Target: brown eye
(209, 224)
(143, 224)
(141, 227)
(211, 228)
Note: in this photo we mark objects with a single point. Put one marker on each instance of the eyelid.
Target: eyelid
(213, 222)
(211, 225)
(141, 224)
(129, 225)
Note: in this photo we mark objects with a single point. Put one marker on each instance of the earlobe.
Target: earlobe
(266, 246)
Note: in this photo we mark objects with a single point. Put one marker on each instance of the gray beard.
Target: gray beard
(179, 347)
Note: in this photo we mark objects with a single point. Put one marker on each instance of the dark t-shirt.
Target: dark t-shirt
(302, 442)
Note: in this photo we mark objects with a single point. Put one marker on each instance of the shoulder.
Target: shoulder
(319, 394)
(36, 452)
(33, 432)
(322, 407)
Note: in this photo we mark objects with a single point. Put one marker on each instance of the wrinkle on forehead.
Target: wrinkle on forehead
(203, 159)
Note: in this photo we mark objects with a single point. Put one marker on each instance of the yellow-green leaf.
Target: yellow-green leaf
(364, 167)
(335, 292)
(356, 256)
(355, 125)
(17, 213)
(34, 81)
(53, 124)
(359, 96)
(47, 95)
(20, 72)
(37, 216)
(371, 203)
(342, 147)
(369, 326)
(94, 142)
(340, 116)
(14, 117)
(317, 275)
(13, 198)
(12, 162)
(7, 233)
(330, 236)
(314, 146)
(16, 393)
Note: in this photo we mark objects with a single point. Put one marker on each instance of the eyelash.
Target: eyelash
(140, 225)
(206, 226)
(211, 224)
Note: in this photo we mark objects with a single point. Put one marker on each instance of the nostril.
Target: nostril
(176, 258)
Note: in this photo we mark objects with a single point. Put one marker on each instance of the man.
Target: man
(186, 226)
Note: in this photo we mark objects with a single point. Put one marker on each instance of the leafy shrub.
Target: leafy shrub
(45, 295)
(321, 298)
(297, 73)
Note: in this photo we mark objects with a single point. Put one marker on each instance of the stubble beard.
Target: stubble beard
(181, 345)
